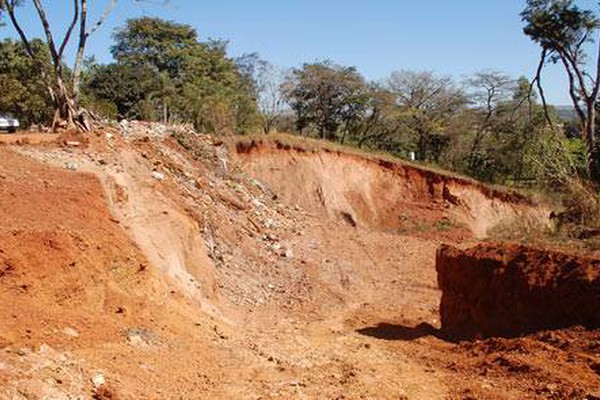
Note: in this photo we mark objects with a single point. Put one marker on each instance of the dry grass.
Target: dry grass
(575, 227)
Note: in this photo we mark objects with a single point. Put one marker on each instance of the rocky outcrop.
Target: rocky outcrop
(508, 290)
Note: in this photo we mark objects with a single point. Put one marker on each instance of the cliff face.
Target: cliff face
(509, 290)
(382, 194)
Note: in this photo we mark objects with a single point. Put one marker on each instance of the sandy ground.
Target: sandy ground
(26, 138)
(167, 271)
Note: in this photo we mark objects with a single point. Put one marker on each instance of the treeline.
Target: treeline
(489, 126)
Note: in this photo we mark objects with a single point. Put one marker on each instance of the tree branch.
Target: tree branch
(10, 7)
(77, 67)
(570, 60)
(52, 47)
(596, 87)
(71, 27)
(103, 17)
(543, 97)
(573, 94)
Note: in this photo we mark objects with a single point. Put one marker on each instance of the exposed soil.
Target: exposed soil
(27, 138)
(382, 194)
(508, 290)
(151, 266)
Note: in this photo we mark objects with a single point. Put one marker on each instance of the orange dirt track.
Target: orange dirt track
(142, 265)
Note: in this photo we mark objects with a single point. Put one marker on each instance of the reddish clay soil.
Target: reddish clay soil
(508, 290)
(147, 266)
(27, 138)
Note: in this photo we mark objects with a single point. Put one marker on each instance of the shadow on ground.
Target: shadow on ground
(399, 332)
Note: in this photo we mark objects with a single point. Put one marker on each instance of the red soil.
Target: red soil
(509, 290)
(176, 273)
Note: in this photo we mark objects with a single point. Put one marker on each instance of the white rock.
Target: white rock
(98, 380)
(257, 203)
(158, 175)
(71, 332)
(71, 166)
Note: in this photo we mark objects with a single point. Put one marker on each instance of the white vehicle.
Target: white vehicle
(8, 124)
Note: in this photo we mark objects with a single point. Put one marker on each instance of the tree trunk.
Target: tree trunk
(593, 159)
(65, 114)
(474, 149)
(422, 145)
(77, 67)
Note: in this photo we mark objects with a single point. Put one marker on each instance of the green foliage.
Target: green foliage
(164, 73)
(123, 85)
(326, 97)
(429, 104)
(24, 92)
(557, 25)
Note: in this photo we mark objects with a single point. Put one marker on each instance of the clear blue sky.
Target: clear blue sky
(376, 36)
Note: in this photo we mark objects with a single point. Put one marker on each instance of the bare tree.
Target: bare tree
(265, 82)
(488, 89)
(563, 30)
(271, 102)
(68, 112)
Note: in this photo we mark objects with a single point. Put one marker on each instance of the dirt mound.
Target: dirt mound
(508, 290)
(382, 194)
(75, 286)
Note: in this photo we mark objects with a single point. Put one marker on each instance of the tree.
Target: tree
(430, 102)
(563, 30)
(487, 90)
(264, 82)
(381, 123)
(64, 96)
(326, 96)
(23, 90)
(163, 72)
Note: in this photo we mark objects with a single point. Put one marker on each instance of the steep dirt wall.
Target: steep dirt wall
(378, 193)
(508, 290)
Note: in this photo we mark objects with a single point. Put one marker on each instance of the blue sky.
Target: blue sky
(377, 36)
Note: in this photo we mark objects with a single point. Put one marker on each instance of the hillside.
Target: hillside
(146, 262)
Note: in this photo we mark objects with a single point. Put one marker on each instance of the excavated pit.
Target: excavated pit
(509, 290)
(381, 194)
(175, 270)
(489, 290)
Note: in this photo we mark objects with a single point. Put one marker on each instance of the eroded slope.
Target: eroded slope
(253, 287)
(377, 193)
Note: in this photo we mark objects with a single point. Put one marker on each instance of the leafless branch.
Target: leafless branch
(102, 18)
(71, 27)
(10, 8)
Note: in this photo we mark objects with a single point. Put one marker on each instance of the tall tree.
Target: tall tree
(487, 90)
(65, 96)
(264, 81)
(179, 78)
(564, 30)
(326, 96)
(430, 102)
(23, 90)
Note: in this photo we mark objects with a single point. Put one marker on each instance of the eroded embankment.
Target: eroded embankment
(377, 193)
(508, 290)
